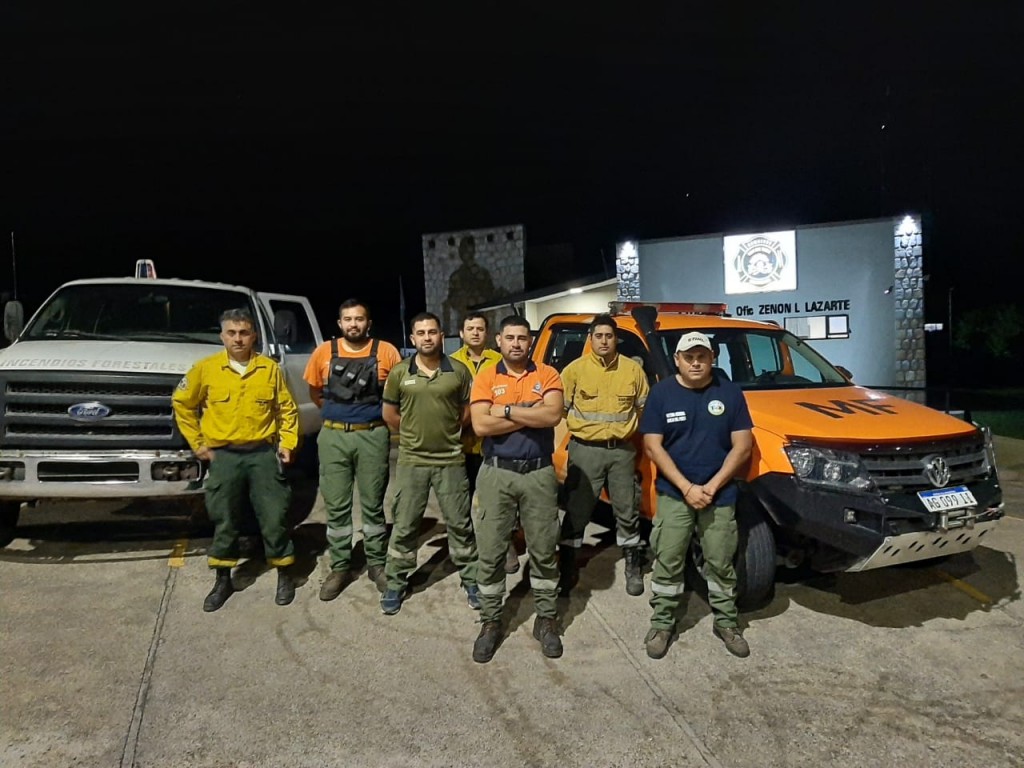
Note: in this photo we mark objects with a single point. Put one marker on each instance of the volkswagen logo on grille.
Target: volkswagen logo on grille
(93, 411)
(936, 470)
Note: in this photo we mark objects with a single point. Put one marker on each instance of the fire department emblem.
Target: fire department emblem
(759, 261)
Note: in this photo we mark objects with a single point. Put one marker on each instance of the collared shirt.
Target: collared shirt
(604, 401)
(431, 406)
(470, 442)
(496, 385)
(237, 409)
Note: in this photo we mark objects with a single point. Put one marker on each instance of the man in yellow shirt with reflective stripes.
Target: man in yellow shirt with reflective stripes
(236, 412)
(604, 396)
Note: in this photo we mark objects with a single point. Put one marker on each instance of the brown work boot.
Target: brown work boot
(334, 583)
(634, 557)
(512, 558)
(487, 642)
(657, 642)
(733, 640)
(546, 630)
(376, 574)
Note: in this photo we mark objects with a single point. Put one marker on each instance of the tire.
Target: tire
(754, 561)
(9, 513)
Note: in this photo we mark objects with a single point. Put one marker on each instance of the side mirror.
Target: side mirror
(845, 371)
(14, 319)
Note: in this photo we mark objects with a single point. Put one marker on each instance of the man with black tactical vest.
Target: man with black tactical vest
(346, 379)
(604, 396)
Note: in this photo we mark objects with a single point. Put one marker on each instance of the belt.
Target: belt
(346, 427)
(259, 445)
(601, 443)
(522, 466)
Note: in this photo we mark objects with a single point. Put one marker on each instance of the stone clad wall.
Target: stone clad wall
(471, 267)
(908, 292)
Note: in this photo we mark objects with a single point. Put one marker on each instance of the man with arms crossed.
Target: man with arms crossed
(515, 406)
(697, 431)
(346, 377)
(475, 355)
(426, 401)
(604, 396)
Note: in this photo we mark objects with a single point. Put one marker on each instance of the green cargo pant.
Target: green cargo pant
(235, 475)
(451, 487)
(592, 468)
(361, 460)
(500, 495)
(674, 523)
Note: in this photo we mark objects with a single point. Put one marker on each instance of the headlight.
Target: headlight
(841, 470)
(990, 450)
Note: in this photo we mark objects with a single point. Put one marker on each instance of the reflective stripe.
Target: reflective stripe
(632, 541)
(405, 557)
(718, 589)
(574, 543)
(492, 589)
(549, 585)
(599, 416)
(373, 529)
(337, 533)
(280, 562)
(218, 562)
(667, 589)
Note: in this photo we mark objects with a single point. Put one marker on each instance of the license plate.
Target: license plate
(947, 498)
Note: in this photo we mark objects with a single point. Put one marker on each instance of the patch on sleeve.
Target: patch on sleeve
(183, 384)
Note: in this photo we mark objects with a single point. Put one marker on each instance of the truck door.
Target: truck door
(293, 318)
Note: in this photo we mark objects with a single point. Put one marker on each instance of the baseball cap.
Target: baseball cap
(692, 339)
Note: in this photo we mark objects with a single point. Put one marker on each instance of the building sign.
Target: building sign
(760, 263)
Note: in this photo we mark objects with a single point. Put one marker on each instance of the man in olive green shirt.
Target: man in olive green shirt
(426, 400)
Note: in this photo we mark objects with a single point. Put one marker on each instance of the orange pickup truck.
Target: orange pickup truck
(842, 478)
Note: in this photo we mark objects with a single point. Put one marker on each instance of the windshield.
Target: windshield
(763, 359)
(136, 311)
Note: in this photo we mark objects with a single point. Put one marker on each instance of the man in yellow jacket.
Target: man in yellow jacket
(236, 412)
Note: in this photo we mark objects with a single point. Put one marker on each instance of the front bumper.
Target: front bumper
(29, 475)
(874, 530)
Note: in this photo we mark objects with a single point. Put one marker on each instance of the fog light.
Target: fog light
(849, 515)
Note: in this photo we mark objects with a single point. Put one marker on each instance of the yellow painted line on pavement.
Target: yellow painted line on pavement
(966, 588)
(177, 558)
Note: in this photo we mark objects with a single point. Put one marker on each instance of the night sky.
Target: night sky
(215, 138)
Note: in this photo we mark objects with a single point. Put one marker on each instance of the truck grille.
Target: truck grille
(903, 468)
(34, 411)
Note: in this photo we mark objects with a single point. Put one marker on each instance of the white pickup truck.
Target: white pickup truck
(85, 386)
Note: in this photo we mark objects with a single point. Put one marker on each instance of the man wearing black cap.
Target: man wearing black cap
(697, 431)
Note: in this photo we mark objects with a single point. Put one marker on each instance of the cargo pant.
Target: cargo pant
(500, 494)
(233, 477)
(716, 530)
(592, 468)
(351, 460)
(451, 487)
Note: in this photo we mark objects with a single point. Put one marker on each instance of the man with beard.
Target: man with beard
(426, 401)
(346, 377)
(515, 406)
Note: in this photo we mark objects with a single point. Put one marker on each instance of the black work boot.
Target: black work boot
(222, 590)
(634, 558)
(285, 588)
(568, 573)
